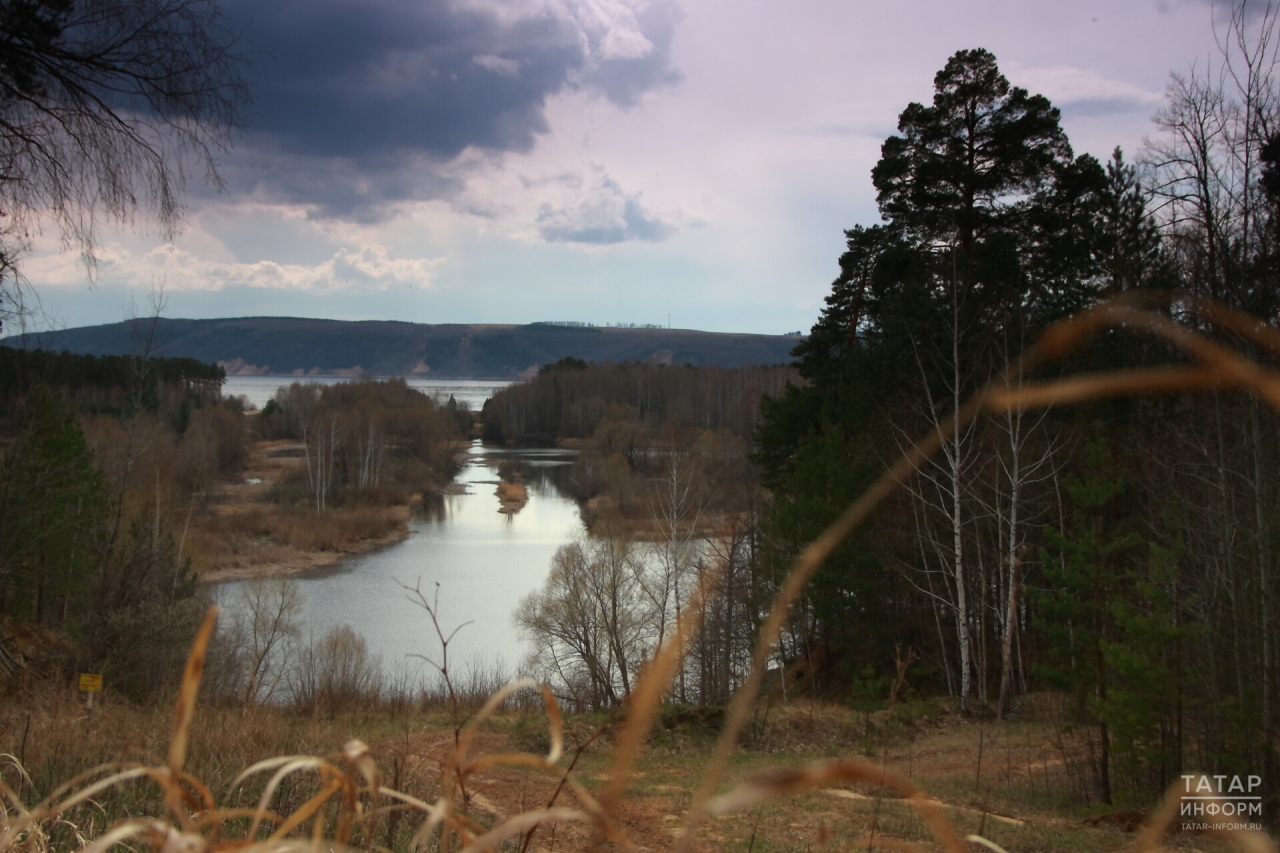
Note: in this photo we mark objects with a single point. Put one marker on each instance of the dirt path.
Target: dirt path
(854, 795)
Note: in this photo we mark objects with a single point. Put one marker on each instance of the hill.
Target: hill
(291, 345)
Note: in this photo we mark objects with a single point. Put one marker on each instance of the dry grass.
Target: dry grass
(935, 750)
(263, 539)
(349, 803)
(244, 532)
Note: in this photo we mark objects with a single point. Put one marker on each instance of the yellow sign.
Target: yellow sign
(90, 683)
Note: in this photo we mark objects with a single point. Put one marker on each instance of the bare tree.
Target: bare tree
(1218, 140)
(590, 624)
(721, 653)
(320, 443)
(665, 578)
(267, 628)
(943, 490)
(104, 107)
(1020, 465)
(1207, 163)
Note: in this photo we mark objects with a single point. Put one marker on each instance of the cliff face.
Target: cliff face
(302, 347)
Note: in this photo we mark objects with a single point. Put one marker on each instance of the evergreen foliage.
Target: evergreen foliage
(112, 383)
(52, 507)
(1122, 552)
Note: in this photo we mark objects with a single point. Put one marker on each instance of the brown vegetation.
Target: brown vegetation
(512, 496)
(242, 532)
(421, 778)
(349, 801)
(265, 540)
(110, 513)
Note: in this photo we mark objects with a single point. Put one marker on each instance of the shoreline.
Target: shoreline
(306, 563)
(267, 554)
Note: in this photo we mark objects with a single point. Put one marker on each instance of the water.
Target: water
(260, 389)
(483, 560)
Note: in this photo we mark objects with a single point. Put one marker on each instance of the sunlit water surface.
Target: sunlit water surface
(259, 389)
(484, 562)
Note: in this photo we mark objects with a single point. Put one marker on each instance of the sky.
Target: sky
(606, 161)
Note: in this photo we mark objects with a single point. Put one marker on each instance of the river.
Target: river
(484, 562)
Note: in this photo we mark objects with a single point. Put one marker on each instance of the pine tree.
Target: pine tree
(1146, 704)
(1084, 572)
(52, 500)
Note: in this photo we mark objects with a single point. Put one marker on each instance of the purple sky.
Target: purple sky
(506, 161)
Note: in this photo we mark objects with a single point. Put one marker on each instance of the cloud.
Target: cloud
(498, 64)
(360, 104)
(604, 214)
(1224, 12)
(1084, 91)
(361, 269)
(362, 189)
(628, 46)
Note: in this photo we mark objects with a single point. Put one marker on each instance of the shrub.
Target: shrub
(336, 674)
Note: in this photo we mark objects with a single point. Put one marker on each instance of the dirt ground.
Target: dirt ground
(1008, 782)
(1016, 795)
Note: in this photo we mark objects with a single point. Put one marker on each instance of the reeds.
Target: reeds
(349, 800)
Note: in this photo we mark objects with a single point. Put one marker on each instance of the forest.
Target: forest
(90, 473)
(645, 432)
(1117, 554)
(1122, 551)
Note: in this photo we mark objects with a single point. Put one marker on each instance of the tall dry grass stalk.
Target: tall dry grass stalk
(350, 800)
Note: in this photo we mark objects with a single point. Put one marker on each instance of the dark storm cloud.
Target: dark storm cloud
(357, 102)
(354, 80)
(359, 189)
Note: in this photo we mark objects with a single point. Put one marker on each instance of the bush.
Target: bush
(337, 674)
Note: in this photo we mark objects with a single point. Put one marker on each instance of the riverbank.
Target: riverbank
(242, 533)
(274, 564)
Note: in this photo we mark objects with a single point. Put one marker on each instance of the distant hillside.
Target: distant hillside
(290, 345)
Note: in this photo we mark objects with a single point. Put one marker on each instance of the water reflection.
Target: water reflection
(432, 508)
(259, 389)
(484, 561)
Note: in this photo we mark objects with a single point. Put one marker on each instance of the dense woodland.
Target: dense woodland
(641, 425)
(571, 399)
(1119, 554)
(111, 383)
(1122, 552)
